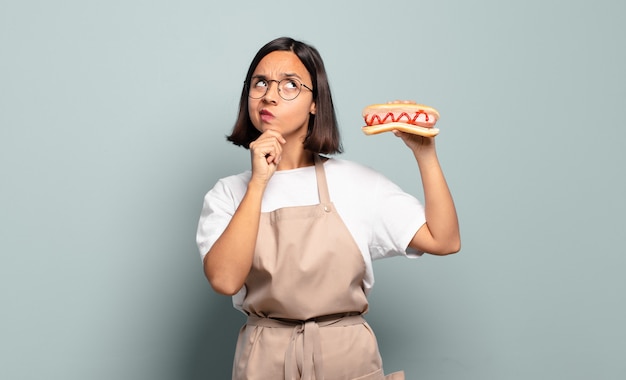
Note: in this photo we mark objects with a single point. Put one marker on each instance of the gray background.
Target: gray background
(113, 116)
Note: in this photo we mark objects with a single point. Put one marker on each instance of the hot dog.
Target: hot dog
(408, 117)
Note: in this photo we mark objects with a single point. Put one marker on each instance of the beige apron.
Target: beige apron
(305, 298)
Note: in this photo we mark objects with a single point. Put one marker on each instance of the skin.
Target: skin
(440, 235)
(280, 147)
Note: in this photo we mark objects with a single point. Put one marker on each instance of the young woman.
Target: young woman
(293, 239)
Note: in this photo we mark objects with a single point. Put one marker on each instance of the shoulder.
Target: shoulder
(231, 187)
(236, 180)
(347, 167)
(350, 173)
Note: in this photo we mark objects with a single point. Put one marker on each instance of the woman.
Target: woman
(293, 238)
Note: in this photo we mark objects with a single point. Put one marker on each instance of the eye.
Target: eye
(290, 84)
(259, 83)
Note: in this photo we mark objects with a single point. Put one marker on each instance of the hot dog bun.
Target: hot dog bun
(407, 117)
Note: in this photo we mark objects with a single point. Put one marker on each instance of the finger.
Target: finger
(268, 149)
(275, 134)
(266, 140)
(399, 101)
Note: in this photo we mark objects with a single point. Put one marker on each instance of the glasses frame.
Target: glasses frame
(269, 81)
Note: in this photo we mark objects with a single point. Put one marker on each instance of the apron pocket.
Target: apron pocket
(376, 375)
(395, 376)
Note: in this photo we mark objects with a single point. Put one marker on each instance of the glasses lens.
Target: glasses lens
(289, 88)
(257, 88)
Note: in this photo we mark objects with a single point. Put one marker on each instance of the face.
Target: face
(288, 117)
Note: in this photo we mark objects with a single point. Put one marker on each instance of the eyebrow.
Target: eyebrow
(289, 75)
(282, 75)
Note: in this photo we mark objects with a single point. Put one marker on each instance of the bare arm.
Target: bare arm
(440, 234)
(229, 260)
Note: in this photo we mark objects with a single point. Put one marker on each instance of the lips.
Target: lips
(266, 115)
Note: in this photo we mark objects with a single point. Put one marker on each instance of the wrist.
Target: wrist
(425, 155)
(256, 187)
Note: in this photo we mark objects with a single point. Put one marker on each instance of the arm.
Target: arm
(440, 234)
(229, 260)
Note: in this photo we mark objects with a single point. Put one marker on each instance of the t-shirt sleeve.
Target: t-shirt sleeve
(397, 217)
(217, 210)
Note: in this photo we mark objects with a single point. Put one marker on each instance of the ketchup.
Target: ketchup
(390, 115)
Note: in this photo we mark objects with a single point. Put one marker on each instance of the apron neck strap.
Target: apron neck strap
(322, 186)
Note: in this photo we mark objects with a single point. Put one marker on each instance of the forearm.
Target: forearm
(229, 260)
(441, 218)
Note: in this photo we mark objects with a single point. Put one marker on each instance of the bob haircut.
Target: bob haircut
(323, 132)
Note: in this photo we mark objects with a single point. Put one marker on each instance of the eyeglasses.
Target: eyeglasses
(288, 88)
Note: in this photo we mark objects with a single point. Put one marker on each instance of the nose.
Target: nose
(271, 96)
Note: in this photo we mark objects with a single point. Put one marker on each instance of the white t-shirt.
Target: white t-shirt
(380, 216)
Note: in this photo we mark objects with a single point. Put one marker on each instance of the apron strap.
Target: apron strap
(322, 186)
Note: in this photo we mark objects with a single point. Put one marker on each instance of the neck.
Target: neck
(293, 160)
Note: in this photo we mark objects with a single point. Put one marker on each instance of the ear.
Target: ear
(313, 109)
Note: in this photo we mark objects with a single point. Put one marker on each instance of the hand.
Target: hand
(265, 154)
(418, 144)
(402, 102)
